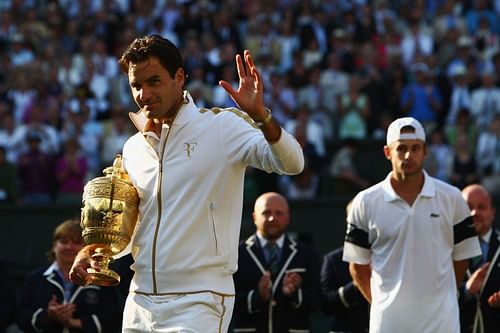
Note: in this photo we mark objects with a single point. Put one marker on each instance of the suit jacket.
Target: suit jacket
(342, 301)
(283, 313)
(96, 306)
(474, 307)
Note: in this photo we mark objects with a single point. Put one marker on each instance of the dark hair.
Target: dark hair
(143, 48)
(69, 229)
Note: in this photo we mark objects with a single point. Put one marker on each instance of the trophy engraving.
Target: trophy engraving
(109, 214)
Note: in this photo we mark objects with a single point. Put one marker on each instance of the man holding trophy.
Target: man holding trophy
(187, 165)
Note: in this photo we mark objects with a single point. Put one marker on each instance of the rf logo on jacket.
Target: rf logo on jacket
(189, 148)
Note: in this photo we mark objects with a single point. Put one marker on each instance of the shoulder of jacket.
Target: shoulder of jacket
(229, 111)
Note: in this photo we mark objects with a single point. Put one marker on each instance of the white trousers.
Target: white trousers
(203, 312)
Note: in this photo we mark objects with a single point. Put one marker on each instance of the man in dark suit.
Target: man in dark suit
(342, 300)
(277, 282)
(480, 292)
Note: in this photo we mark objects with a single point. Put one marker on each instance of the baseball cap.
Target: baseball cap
(394, 130)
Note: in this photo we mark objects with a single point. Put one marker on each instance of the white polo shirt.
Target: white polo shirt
(411, 249)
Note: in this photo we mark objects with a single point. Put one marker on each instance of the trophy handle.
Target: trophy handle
(105, 276)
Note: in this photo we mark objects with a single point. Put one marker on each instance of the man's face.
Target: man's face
(154, 90)
(407, 157)
(482, 211)
(271, 216)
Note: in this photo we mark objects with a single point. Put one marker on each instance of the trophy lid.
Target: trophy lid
(115, 183)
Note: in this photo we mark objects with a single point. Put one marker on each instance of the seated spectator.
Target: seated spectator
(421, 99)
(70, 170)
(8, 179)
(304, 126)
(344, 177)
(35, 188)
(464, 168)
(488, 156)
(439, 156)
(51, 303)
(117, 131)
(354, 111)
(304, 185)
(49, 136)
(464, 125)
(460, 94)
(485, 100)
(8, 137)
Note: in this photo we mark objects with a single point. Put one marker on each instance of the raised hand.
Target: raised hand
(249, 95)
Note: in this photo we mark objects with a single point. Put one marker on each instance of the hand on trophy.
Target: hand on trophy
(109, 214)
(78, 273)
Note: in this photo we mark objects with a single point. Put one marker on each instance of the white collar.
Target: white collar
(486, 237)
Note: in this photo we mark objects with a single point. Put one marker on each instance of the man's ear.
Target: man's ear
(387, 152)
(180, 76)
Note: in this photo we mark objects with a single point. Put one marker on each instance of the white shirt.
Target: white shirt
(411, 250)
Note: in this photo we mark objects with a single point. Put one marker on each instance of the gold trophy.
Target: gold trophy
(109, 214)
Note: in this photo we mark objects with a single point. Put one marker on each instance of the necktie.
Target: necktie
(273, 257)
(484, 249)
(478, 261)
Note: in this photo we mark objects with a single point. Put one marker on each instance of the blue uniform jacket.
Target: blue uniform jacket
(96, 306)
(282, 313)
(472, 307)
(342, 301)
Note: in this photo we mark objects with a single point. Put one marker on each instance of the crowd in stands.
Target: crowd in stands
(335, 72)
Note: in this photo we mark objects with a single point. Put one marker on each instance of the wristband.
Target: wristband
(266, 119)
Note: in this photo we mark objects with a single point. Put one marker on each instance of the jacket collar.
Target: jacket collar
(254, 249)
(185, 114)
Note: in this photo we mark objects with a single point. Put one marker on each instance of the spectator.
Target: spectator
(421, 100)
(277, 282)
(50, 303)
(334, 83)
(8, 179)
(417, 43)
(464, 125)
(460, 94)
(464, 169)
(485, 100)
(393, 217)
(8, 138)
(441, 155)
(342, 300)
(36, 189)
(488, 156)
(345, 179)
(477, 293)
(354, 111)
(70, 170)
(116, 133)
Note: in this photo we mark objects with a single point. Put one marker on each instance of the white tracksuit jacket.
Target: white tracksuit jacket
(191, 196)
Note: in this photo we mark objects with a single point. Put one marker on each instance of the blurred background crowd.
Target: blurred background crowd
(336, 73)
